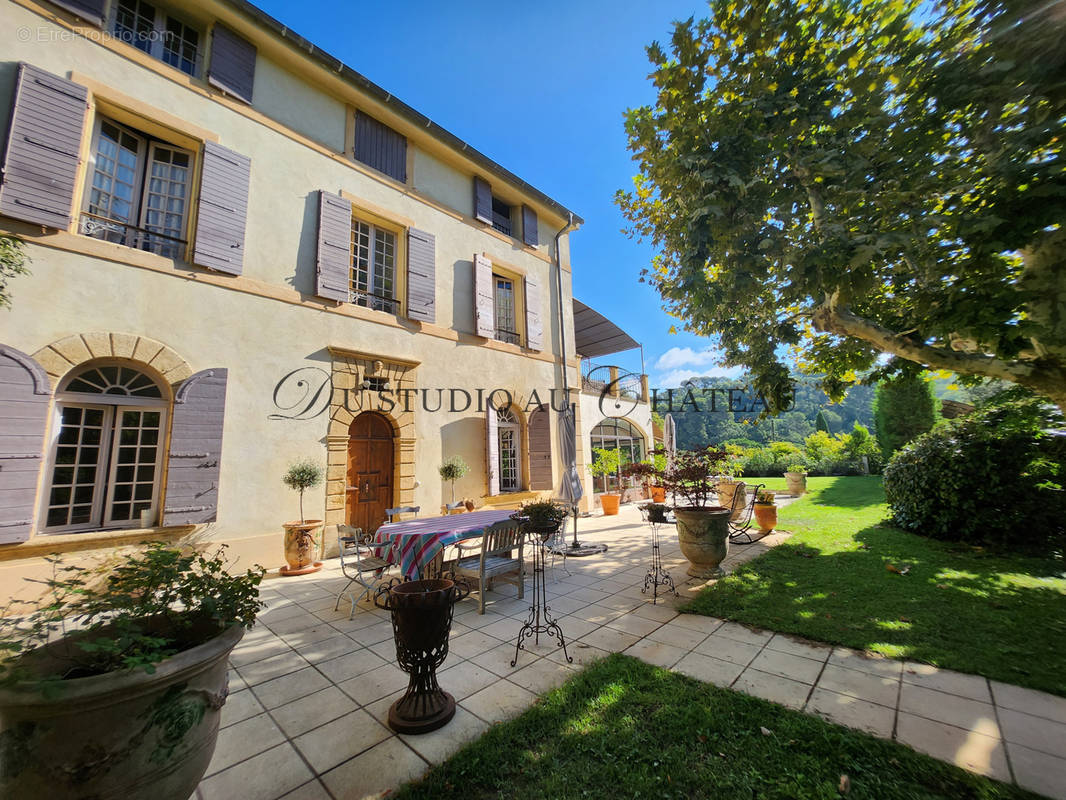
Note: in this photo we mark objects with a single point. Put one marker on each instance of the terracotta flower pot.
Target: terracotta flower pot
(609, 503)
(127, 734)
(766, 516)
(302, 541)
(658, 494)
(796, 482)
(703, 534)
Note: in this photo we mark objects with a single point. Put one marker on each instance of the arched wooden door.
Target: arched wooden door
(370, 462)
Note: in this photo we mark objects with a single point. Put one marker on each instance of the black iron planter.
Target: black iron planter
(421, 621)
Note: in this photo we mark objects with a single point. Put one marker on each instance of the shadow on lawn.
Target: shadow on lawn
(858, 491)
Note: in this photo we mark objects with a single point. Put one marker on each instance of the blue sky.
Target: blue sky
(541, 89)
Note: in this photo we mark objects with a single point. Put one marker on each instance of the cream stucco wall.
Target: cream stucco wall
(267, 323)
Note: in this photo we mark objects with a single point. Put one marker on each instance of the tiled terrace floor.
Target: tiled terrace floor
(310, 689)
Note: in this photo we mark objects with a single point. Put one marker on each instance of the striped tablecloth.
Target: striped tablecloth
(414, 543)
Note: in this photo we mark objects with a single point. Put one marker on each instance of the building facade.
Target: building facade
(243, 253)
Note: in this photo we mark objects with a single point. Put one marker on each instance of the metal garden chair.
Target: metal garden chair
(392, 513)
(359, 564)
(740, 527)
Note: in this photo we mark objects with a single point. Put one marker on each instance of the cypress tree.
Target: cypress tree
(904, 408)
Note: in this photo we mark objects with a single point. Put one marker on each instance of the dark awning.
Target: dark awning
(595, 335)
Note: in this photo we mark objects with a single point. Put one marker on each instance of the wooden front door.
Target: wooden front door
(370, 461)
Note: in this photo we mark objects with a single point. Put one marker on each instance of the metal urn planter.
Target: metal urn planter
(703, 534)
(421, 621)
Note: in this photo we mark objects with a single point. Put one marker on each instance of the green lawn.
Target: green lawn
(956, 607)
(624, 729)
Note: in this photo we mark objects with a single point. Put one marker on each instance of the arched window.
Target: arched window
(509, 434)
(107, 448)
(616, 434)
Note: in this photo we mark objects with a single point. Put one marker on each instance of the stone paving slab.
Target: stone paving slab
(311, 688)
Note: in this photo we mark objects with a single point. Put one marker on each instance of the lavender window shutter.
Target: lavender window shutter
(232, 67)
(529, 226)
(43, 148)
(88, 10)
(222, 210)
(334, 259)
(540, 449)
(492, 448)
(482, 200)
(534, 324)
(484, 298)
(193, 463)
(379, 146)
(24, 392)
(421, 275)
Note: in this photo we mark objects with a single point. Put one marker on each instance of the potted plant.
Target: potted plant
(796, 479)
(301, 538)
(657, 491)
(606, 463)
(644, 472)
(113, 685)
(542, 517)
(766, 510)
(656, 512)
(702, 528)
(728, 483)
(452, 470)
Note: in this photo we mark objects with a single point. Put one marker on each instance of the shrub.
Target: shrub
(994, 477)
(904, 408)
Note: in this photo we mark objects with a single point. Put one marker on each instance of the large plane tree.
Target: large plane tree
(827, 181)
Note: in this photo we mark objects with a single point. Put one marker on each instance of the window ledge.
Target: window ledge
(47, 543)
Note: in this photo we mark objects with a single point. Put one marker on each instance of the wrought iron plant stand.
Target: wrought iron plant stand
(657, 576)
(421, 621)
(540, 619)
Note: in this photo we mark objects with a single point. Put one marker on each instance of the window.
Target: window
(108, 449)
(509, 435)
(616, 434)
(501, 216)
(138, 191)
(157, 33)
(373, 277)
(506, 327)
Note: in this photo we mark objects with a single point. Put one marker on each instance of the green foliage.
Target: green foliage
(12, 263)
(993, 477)
(860, 177)
(128, 614)
(301, 476)
(605, 462)
(821, 423)
(796, 466)
(904, 408)
(542, 515)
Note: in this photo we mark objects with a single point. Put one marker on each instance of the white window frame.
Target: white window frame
(147, 146)
(158, 35)
(371, 299)
(513, 335)
(103, 487)
(507, 421)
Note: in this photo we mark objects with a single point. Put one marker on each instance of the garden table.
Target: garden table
(414, 543)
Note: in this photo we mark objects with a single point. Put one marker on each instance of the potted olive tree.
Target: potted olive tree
(452, 470)
(302, 544)
(112, 686)
(702, 526)
(796, 479)
(607, 463)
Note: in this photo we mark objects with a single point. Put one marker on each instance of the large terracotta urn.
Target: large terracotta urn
(302, 543)
(703, 534)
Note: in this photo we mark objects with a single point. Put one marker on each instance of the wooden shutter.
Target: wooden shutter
(43, 148)
(379, 146)
(222, 210)
(421, 275)
(193, 463)
(492, 449)
(482, 200)
(484, 298)
(88, 10)
(24, 392)
(534, 324)
(334, 260)
(540, 449)
(232, 67)
(529, 226)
